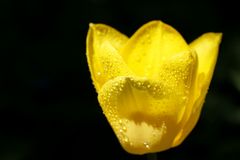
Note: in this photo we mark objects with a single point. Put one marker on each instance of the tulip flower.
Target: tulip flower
(151, 86)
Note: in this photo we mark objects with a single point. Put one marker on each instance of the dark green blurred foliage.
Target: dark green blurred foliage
(48, 106)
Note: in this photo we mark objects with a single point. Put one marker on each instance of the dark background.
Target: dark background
(48, 106)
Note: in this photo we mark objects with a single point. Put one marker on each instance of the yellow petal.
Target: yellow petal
(150, 46)
(145, 113)
(103, 45)
(206, 47)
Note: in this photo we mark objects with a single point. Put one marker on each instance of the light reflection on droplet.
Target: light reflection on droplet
(146, 145)
(126, 140)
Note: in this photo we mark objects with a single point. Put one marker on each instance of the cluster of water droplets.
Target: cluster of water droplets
(121, 130)
(154, 88)
(108, 97)
(111, 66)
(107, 62)
(177, 75)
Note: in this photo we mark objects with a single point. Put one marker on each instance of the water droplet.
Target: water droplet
(124, 128)
(98, 73)
(184, 98)
(146, 145)
(139, 84)
(126, 139)
(98, 33)
(120, 122)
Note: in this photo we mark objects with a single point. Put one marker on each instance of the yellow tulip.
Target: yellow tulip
(151, 86)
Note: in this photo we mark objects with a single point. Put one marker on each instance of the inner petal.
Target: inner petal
(150, 46)
(144, 114)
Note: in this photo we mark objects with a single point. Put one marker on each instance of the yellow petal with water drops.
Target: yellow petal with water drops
(150, 46)
(145, 113)
(206, 47)
(103, 45)
(152, 86)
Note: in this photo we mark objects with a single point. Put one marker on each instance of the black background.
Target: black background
(48, 106)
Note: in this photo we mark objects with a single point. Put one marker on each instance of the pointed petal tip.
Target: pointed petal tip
(96, 25)
(214, 35)
(91, 25)
(219, 35)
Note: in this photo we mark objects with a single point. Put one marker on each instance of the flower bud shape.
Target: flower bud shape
(151, 86)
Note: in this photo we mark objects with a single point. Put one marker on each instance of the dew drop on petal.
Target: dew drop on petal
(121, 131)
(139, 84)
(146, 145)
(148, 86)
(125, 139)
(120, 122)
(98, 33)
(131, 144)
